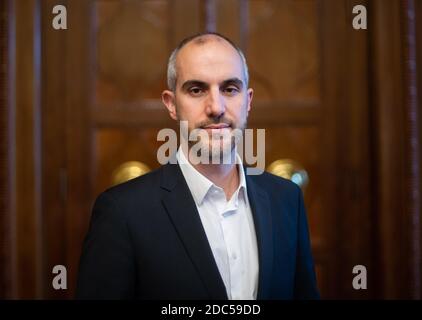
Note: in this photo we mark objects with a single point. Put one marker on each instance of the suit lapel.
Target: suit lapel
(260, 206)
(182, 210)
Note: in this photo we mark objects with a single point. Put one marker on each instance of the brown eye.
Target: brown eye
(231, 90)
(195, 91)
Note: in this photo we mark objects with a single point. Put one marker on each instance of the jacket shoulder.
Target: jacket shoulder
(282, 193)
(142, 187)
(271, 182)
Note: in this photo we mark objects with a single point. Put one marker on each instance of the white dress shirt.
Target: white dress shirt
(229, 228)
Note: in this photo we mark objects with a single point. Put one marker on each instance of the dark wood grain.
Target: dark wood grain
(77, 103)
(5, 138)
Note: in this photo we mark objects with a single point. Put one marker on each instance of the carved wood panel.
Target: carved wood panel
(77, 103)
(304, 98)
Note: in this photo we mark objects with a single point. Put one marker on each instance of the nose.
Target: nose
(216, 105)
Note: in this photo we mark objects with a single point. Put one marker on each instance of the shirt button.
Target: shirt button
(234, 256)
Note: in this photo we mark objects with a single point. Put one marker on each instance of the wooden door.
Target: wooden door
(308, 67)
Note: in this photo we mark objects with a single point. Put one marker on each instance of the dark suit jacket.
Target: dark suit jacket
(146, 241)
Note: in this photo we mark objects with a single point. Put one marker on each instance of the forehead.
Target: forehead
(213, 60)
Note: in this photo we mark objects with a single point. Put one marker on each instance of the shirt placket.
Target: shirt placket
(230, 226)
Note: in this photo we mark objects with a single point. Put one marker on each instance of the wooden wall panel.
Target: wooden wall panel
(289, 70)
(5, 163)
(396, 137)
(54, 167)
(25, 129)
(115, 146)
(345, 125)
(393, 275)
(412, 107)
(302, 145)
(78, 132)
(132, 45)
(228, 20)
(418, 16)
(329, 96)
(286, 58)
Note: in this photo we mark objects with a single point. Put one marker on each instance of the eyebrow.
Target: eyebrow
(192, 83)
(202, 84)
(233, 81)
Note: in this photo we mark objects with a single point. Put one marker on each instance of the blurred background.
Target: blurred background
(80, 111)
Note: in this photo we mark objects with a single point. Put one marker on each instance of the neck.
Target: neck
(225, 176)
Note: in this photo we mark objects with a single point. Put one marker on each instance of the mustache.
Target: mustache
(215, 121)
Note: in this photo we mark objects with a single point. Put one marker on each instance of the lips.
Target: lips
(217, 126)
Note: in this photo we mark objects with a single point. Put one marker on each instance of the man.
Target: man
(201, 230)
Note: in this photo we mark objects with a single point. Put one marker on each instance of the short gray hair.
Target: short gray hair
(171, 66)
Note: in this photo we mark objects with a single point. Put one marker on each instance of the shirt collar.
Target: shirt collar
(199, 185)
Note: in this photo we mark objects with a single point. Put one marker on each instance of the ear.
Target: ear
(249, 97)
(169, 101)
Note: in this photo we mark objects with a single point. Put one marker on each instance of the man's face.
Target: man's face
(211, 92)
